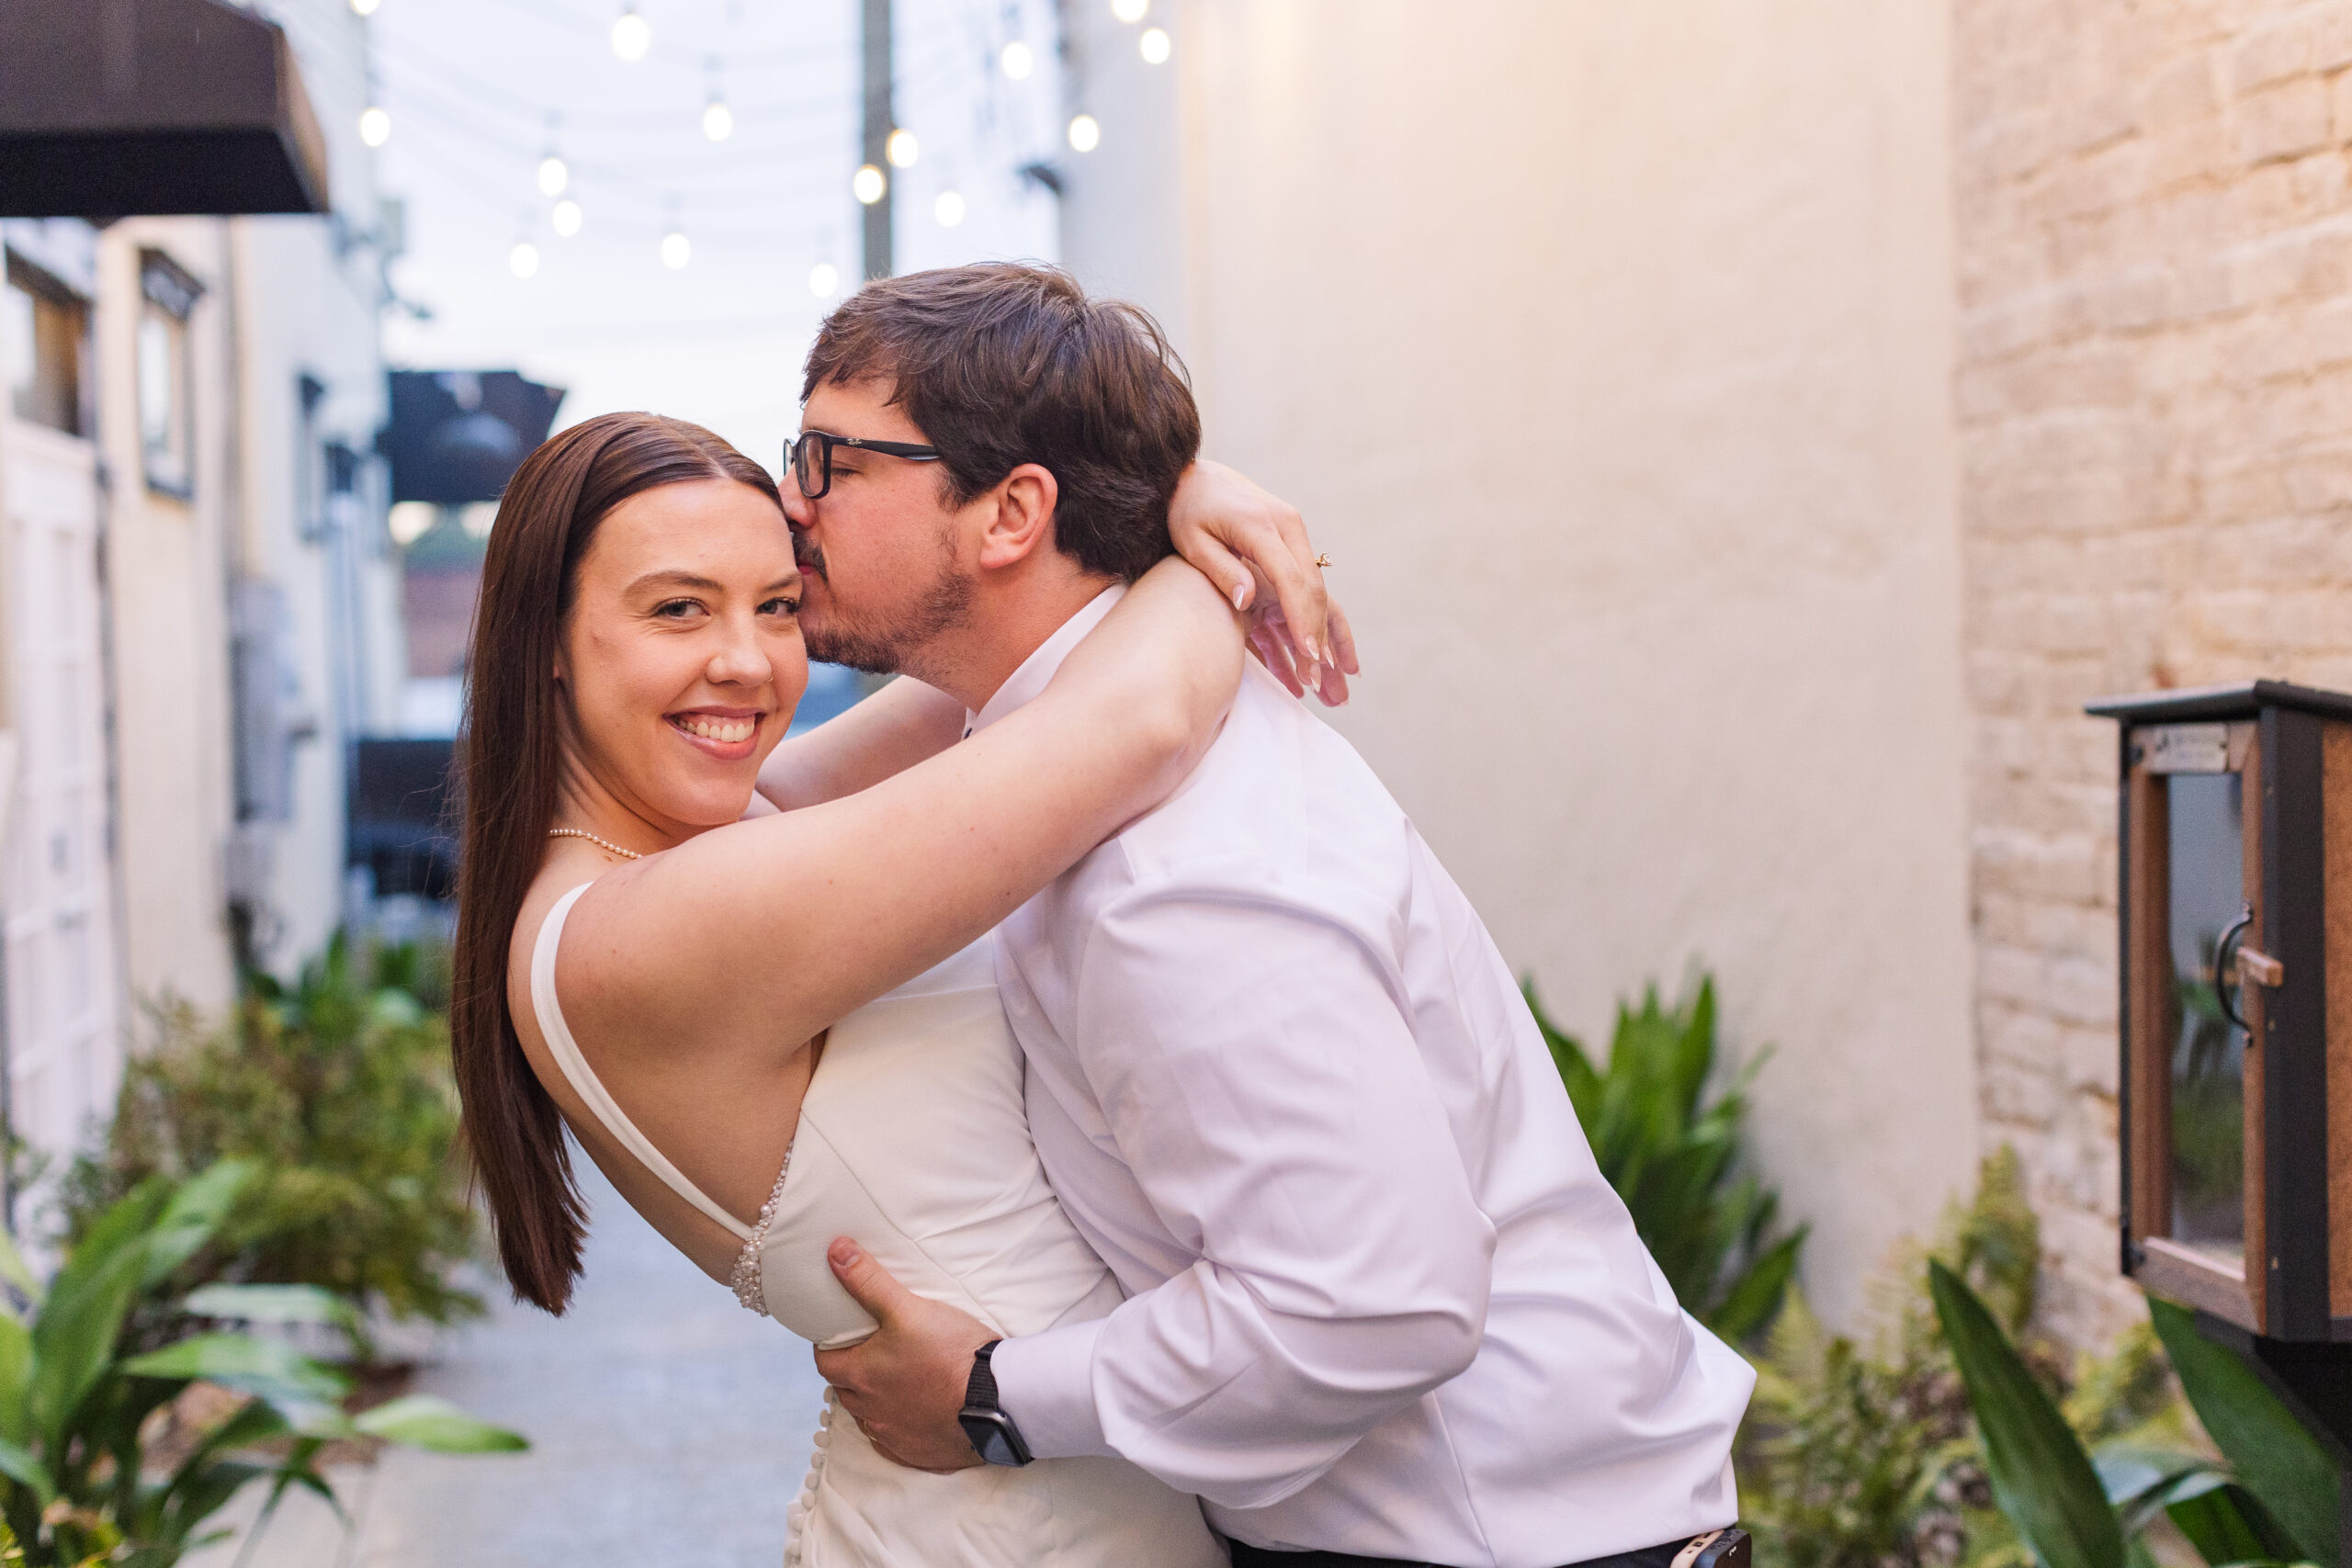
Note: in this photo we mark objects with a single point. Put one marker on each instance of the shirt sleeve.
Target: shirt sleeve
(1266, 1091)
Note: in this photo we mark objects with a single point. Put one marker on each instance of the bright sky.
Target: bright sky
(481, 91)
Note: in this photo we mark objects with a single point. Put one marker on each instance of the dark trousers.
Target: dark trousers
(1247, 1556)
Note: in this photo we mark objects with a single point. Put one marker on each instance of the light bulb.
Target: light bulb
(823, 278)
(364, 8)
(566, 217)
(375, 126)
(718, 120)
(553, 175)
(1154, 45)
(631, 37)
(1017, 61)
(676, 251)
(1130, 10)
(868, 183)
(948, 209)
(523, 259)
(903, 148)
(411, 520)
(1085, 135)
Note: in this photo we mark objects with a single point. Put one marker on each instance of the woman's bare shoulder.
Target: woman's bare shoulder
(558, 875)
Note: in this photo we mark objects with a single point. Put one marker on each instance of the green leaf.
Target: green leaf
(244, 1363)
(2041, 1478)
(420, 1421)
(73, 1341)
(193, 1214)
(1757, 1294)
(2277, 1457)
(15, 1380)
(2226, 1523)
(271, 1303)
(28, 1472)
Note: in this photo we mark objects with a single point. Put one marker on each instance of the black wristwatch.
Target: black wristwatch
(993, 1435)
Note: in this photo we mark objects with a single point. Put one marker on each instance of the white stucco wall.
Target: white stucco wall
(173, 792)
(1607, 348)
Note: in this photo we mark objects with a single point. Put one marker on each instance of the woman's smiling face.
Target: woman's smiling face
(682, 657)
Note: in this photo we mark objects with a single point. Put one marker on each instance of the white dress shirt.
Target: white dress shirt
(1381, 1300)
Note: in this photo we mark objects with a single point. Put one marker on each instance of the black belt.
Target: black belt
(1661, 1556)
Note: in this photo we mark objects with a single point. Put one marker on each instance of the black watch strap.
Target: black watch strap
(992, 1433)
(979, 1394)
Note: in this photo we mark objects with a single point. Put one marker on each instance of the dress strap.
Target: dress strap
(585, 1081)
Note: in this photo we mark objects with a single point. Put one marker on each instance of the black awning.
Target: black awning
(118, 108)
(456, 437)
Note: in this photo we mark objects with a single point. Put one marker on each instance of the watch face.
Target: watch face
(992, 1435)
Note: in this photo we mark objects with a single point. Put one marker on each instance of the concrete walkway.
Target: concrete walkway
(670, 1429)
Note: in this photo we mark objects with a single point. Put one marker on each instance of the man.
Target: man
(1382, 1306)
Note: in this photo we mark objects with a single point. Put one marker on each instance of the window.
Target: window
(167, 435)
(41, 350)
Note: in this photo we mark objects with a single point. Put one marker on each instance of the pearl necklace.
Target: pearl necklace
(600, 843)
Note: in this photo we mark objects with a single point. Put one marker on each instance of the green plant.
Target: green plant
(86, 1389)
(1850, 1456)
(2273, 1500)
(1673, 1156)
(337, 1088)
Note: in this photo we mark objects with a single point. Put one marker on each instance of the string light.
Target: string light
(1017, 61)
(948, 209)
(1154, 45)
(523, 259)
(364, 8)
(553, 175)
(868, 183)
(1130, 10)
(823, 278)
(718, 120)
(903, 148)
(1085, 135)
(631, 36)
(676, 251)
(375, 126)
(566, 217)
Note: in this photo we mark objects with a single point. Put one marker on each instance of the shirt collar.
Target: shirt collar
(1023, 685)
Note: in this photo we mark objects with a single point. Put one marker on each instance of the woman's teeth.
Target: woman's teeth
(724, 730)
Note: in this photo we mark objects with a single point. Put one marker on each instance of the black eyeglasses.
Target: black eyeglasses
(811, 459)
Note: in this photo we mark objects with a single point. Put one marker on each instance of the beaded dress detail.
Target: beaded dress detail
(913, 1138)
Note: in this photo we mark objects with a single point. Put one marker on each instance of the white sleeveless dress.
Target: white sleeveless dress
(914, 1140)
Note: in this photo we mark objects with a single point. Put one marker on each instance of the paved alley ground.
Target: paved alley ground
(670, 1429)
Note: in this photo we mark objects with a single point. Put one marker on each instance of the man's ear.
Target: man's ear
(1023, 520)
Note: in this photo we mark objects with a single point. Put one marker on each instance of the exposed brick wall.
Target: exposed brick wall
(2155, 392)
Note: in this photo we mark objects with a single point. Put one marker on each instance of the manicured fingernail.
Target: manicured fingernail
(1241, 596)
(1312, 675)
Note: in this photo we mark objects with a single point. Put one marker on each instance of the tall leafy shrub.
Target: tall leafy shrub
(1672, 1153)
(93, 1366)
(336, 1090)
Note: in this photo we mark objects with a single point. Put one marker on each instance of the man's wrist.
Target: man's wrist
(1046, 1381)
(993, 1435)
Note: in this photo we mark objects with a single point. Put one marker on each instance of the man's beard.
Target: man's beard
(879, 648)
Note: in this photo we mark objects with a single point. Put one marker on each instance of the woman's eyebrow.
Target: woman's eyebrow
(676, 580)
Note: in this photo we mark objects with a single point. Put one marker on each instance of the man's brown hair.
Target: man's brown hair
(1002, 364)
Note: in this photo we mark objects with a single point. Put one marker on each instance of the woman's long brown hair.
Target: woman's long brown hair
(511, 762)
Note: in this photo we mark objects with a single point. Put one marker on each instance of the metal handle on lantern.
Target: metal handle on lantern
(2224, 961)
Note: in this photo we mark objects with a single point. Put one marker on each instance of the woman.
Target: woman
(706, 1002)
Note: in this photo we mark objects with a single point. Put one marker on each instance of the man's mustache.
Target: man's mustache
(808, 558)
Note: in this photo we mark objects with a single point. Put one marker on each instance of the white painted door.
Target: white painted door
(64, 1038)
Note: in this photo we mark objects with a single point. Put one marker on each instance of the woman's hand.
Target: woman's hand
(1249, 543)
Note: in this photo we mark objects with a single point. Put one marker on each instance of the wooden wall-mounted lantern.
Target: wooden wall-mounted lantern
(2237, 968)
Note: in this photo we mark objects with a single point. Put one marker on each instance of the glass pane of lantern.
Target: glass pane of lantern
(2208, 859)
